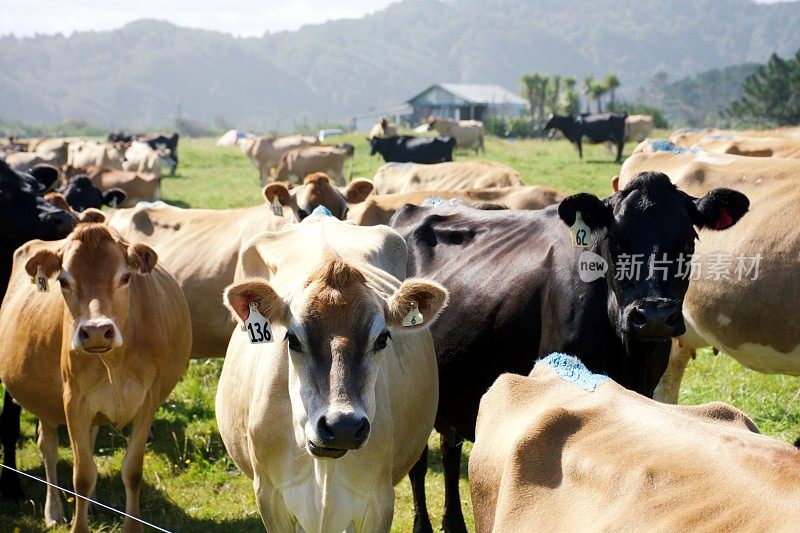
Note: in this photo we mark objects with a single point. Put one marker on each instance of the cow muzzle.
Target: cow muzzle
(97, 336)
(337, 433)
(654, 320)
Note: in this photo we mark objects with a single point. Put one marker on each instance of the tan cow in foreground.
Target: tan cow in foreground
(383, 128)
(567, 450)
(104, 344)
(748, 319)
(453, 176)
(200, 246)
(138, 186)
(690, 137)
(333, 404)
(467, 133)
(297, 163)
(265, 152)
(379, 208)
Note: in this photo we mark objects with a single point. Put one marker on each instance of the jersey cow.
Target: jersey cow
(24, 216)
(107, 348)
(467, 133)
(265, 152)
(383, 128)
(410, 149)
(597, 128)
(296, 164)
(521, 289)
(453, 176)
(568, 450)
(181, 236)
(736, 301)
(333, 404)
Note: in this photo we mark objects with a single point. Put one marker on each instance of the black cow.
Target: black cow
(162, 140)
(23, 216)
(598, 128)
(410, 149)
(517, 294)
(81, 194)
(119, 137)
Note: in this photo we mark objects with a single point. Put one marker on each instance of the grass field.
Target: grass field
(191, 485)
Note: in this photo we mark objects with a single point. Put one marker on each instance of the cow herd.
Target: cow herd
(355, 317)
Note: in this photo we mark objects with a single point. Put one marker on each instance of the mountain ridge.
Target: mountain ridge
(137, 75)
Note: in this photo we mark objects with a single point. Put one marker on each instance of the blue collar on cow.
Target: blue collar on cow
(572, 369)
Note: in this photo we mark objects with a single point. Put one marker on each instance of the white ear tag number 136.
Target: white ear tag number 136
(258, 326)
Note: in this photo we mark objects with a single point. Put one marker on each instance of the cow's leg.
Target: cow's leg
(620, 147)
(10, 487)
(132, 465)
(453, 519)
(84, 471)
(670, 385)
(580, 148)
(422, 522)
(48, 447)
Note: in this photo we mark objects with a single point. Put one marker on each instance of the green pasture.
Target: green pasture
(191, 485)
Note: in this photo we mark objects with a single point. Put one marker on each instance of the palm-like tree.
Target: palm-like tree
(588, 83)
(612, 83)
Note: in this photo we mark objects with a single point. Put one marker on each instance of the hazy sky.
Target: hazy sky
(239, 17)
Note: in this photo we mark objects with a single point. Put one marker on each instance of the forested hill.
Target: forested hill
(135, 76)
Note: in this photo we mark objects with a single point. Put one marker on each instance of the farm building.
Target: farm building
(466, 101)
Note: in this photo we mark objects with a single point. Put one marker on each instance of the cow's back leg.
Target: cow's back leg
(453, 519)
(620, 147)
(422, 522)
(580, 147)
(10, 487)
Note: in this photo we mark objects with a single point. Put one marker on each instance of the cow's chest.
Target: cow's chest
(116, 402)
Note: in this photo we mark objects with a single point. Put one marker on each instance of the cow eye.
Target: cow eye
(380, 342)
(125, 279)
(294, 343)
(64, 283)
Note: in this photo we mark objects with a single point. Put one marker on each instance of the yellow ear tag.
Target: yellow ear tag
(580, 233)
(277, 208)
(413, 318)
(40, 280)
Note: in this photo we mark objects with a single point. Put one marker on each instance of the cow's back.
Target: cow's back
(551, 453)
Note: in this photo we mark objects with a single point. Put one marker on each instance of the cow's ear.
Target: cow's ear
(46, 175)
(594, 212)
(239, 296)
(615, 183)
(416, 303)
(719, 209)
(92, 215)
(358, 190)
(114, 197)
(277, 189)
(48, 260)
(142, 258)
(57, 199)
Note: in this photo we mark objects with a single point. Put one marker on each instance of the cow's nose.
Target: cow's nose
(343, 431)
(655, 320)
(97, 337)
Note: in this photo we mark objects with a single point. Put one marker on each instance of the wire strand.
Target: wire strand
(87, 499)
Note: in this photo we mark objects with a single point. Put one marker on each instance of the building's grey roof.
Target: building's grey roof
(478, 93)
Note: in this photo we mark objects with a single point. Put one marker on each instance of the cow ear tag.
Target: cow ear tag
(257, 325)
(580, 233)
(40, 280)
(413, 318)
(277, 208)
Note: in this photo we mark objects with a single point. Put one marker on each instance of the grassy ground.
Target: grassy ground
(189, 482)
